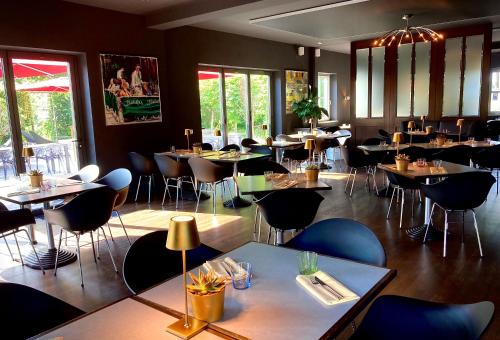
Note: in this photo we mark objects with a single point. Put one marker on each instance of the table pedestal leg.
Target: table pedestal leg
(237, 201)
(418, 232)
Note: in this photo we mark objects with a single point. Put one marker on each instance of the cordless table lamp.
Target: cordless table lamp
(460, 123)
(397, 138)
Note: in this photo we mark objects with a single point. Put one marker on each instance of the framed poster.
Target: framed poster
(296, 87)
(131, 89)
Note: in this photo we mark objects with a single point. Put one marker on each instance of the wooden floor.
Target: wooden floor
(463, 277)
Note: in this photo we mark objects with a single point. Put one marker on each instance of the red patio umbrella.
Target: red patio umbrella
(29, 68)
(51, 85)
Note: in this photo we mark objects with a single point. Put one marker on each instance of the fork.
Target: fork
(330, 290)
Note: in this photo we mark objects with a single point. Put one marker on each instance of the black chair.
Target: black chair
(400, 185)
(10, 222)
(27, 312)
(119, 180)
(229, 147)
(386, 136)
(144, 167)
(86, 212)
(207, 146)
(289, 209)
(488, 158)
(261, 149)
(259, 168)
(415, 152)
(87, 174)
(247, 142)
(341, 237)
(393, 317)
(175, 170)
(459, 154)
(149, 262)
(356, 159)
(461, 193)
(295, 155)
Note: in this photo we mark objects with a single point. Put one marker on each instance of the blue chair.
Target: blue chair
(341, 237)
(398, 317)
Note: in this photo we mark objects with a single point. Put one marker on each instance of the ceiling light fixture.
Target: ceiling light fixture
(306, 10)
(407, 34)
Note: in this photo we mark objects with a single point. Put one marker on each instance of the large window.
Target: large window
(37, 111)
(495, 92)
(324, 94)
(235, 102)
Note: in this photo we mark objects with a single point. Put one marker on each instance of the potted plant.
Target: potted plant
(312, 172)
(402, 162)
(207, 296)
(308, 109)
(36, 178)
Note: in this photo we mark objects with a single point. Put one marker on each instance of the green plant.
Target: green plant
(402, 157)
(308, 108)
(312, 166)
(204, 284)
(35, 173)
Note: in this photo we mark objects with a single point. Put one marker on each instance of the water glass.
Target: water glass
(488, 140)
(232, 152)
(437, 163)
(471, 139)
(242, 275)
(268, 175)
(421, 162)
(172, 149)
(308, 262)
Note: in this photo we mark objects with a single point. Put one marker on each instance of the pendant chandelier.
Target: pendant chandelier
(408, 34)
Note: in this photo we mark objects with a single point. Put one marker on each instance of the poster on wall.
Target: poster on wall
(296, 87)
(131, 89)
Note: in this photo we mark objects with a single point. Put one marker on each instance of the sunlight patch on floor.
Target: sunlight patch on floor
(333, 175)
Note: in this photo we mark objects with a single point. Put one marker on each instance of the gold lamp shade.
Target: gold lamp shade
(309, 144)
(460, 122)
(188, 132)
(182, 233)
(264, 126)
(397, 137)
(217, 133)
(411, 124)
(27, 152)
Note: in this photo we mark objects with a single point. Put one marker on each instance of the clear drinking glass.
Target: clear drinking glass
(437, 163)
(268, 175)
(172, 149)
(242, 275)
(308, 262)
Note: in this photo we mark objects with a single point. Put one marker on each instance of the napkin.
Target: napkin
(219, 267)
(285, 184)
(435, 170)
(323, 294)
(24, 192)
(234, 266)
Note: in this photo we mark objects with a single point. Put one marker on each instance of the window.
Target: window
(324, 94)
(495, 91)
(235, 102)
(370, 77)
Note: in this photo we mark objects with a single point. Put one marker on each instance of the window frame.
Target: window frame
(329, 92)
(491, 91)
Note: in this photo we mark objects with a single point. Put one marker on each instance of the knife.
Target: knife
(337, 294)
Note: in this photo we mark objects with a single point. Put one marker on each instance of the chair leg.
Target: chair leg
(8, 247)
(214, 195)
(109, 249)
(402, 208)
(138, 187)
(123, 226)
(260, 227)
(79, 258)
(353, 180)
(269, 235)
(19, 250)
(34, 250)
(93, 248)
(463, 224)
(390, 204)
(165, 191)
(477, 234)
(57, 252)
(430, 223)
(110, 234)
(198, 197)
(347, 182)
(255, 218)
(445, 231)
(98, 247)
(230, 192)
(149, 188)
(177, 193)
(412, 202)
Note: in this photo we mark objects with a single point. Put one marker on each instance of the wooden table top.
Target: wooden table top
(283, 144)
(429, 171)
(218, 156)
(381, 148)
(249, 185)
(63, 188)
(276, 307)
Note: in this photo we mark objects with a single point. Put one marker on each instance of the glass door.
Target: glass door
(236, 98)
(260, 94)
(210, 89)
(7, 161)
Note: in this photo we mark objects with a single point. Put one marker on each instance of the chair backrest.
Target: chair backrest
(488, 157)
(415, 152)
(247, 142)
(461, 192)
(85, 212)
(87, 174)
(258, 168)
(27, 312)
(402, 181)
(261, 149)
(399, 317)
(207, 146)
(169, 168)
(119, 180)
(229, 147)
(206, 171)
(341, 237)
(140, 272)
(354, 157)
(290, 209)
(459, 154)
(11, 219)
(141, 164)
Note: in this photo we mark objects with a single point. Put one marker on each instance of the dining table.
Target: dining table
(427, 173)
(427, 146)
(280, 146)
(56, 188)
(260, 184)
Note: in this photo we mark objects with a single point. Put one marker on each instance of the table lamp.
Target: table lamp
(397, 138)
(411, 126)
(27, 153)
(217, 133)
(460, 123)
(309, 145)
(183, 235)
(187, 133)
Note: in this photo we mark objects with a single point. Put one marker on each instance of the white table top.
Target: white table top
(276, 307)
(127, 319)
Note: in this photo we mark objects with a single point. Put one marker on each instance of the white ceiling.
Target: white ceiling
(334, 28)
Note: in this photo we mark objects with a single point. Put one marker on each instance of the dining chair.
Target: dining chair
(261, 149)
(288, 209)
(488, 158)
(229, 147)
(144, 167)
(149, 262)
(210, 174)
(83, 214)
(341, 237)
(356, 160)
(459, 154)
(386, 136)
(393, 317)
(400, 185)
(87, 174)
(207, 146)
(459, 193)
(175, 170)
(119, 180)
(10, 223)
(247, 142)
(27, 312)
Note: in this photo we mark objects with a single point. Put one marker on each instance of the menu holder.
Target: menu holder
(325, 294)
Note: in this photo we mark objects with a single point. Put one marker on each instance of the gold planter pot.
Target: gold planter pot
(209, 308)
(402, 164)
(428, 129)
(312, 174)
(36, 181)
